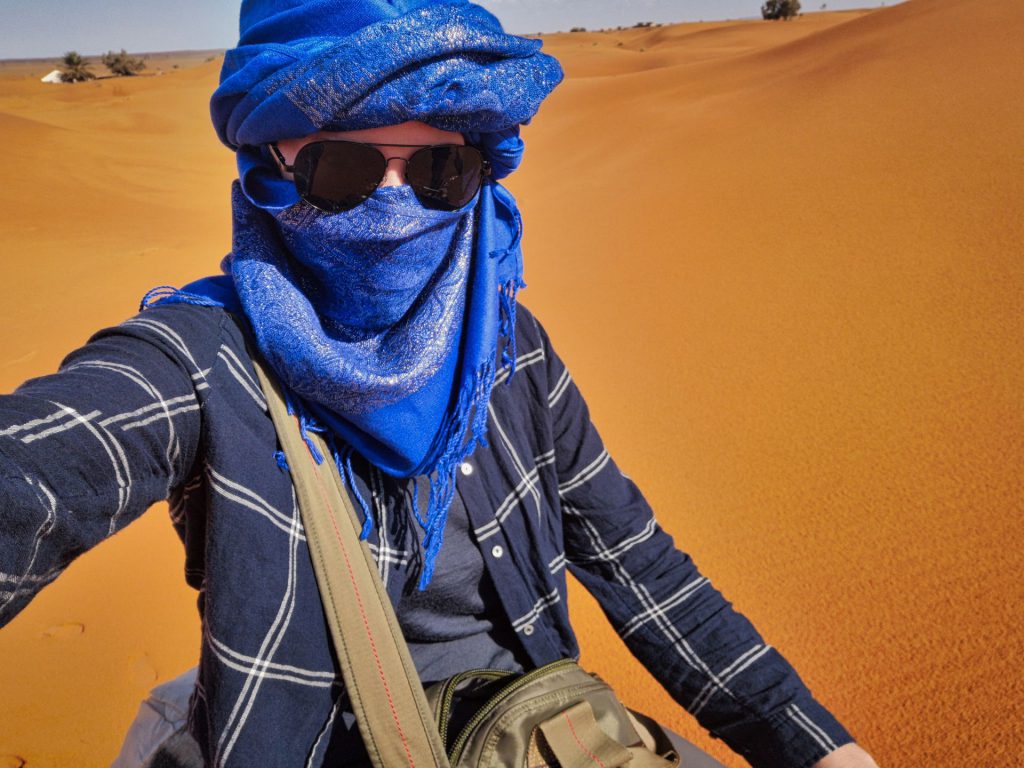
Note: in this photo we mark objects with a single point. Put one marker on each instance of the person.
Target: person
(375, 266)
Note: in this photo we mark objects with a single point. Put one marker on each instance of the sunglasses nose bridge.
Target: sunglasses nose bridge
(399, 172)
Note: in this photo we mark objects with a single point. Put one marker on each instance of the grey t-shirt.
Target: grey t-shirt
(456, 623)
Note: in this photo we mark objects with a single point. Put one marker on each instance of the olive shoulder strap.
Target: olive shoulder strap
(386, 694)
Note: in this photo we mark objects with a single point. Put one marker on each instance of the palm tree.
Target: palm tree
(74, 69)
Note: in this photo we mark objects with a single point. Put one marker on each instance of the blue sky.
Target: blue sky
(42, 28)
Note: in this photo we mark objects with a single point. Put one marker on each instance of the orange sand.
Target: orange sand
(786, 255)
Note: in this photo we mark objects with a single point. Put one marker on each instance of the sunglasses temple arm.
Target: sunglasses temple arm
(280, 158)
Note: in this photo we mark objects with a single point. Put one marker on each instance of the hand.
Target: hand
(847, 756)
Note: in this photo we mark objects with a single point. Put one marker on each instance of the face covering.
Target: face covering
(371, 308)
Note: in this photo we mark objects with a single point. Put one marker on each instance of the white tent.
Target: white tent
(53, 77)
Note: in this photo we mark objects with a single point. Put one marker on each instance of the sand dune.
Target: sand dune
(783, 262)
(22, 129)
(614, 53)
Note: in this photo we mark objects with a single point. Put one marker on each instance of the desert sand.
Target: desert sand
(783, 262)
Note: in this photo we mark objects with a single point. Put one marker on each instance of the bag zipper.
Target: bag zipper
(491, 703)
(448, 694)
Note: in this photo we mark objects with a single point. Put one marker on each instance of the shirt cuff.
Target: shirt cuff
(797, 736)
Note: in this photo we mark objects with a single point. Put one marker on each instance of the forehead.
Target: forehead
(403, 133)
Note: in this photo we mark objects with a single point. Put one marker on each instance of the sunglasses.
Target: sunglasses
(336, 176)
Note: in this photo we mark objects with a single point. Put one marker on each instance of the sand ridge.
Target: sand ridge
(782, 262)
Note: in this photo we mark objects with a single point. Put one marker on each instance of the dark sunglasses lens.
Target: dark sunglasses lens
(337, 176)
(447, 175)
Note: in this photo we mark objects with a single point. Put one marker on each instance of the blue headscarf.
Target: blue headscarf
(402, 375)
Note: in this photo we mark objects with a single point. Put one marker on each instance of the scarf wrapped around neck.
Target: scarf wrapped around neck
(385, 323)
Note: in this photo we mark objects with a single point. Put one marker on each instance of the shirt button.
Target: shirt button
(466, 468)
(528, 629)
(497, 550)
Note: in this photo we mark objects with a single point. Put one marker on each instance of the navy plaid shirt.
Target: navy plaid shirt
(166, 406)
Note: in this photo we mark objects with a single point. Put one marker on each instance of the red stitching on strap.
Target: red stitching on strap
(362, 613)
(583, 747)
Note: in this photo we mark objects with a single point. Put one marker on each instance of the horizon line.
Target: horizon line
(636, 25)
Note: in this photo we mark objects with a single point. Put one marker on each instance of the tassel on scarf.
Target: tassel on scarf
(469, 415)
(168, 294)
(507, 327)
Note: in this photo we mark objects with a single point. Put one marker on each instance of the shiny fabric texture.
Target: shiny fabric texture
(362, 314)
(301, 67)
(346, 64)
(386, 322)
(383, 293)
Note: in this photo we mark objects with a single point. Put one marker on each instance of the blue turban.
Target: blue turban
(339, 65)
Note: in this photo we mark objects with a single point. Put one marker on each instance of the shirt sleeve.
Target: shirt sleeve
(708, 656)
(88, 449)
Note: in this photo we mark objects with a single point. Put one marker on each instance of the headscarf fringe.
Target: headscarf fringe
(470, 412)
(282, 461)
(306, 425)
(507, 325)
(168, 294)
(416, 506)
(346, 471)
(342, 458)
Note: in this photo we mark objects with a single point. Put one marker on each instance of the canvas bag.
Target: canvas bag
(556, 716)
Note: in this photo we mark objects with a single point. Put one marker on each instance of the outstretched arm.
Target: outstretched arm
(86, 450)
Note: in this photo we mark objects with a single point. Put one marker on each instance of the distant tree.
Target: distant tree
(578, 29)
(780, 9)
(74, 69)
(121, 64)
(643, 24)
